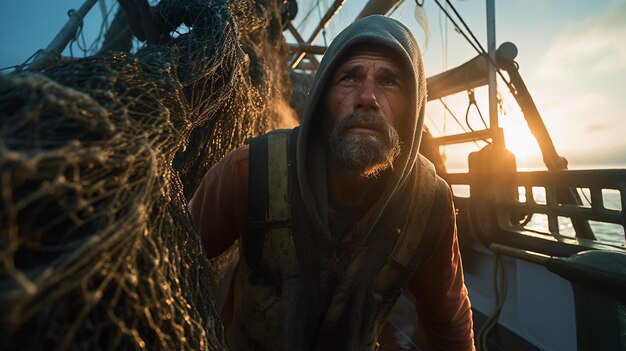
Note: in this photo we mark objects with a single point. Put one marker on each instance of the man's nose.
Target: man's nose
(366, 98)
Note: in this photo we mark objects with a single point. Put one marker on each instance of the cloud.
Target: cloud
(597, 128)
(579, 89)
(587, 158)
(595, 46)
(587, 104)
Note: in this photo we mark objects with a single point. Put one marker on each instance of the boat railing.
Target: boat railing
(553, 182)
(500, 207)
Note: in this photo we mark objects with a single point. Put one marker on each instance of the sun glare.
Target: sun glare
(517, 136)
(519, 140)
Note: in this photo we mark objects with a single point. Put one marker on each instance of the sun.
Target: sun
(518, 138)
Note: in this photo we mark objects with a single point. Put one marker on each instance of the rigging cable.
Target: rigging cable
(482, 50)
(479, 49)
(500, 283)
(82, 48)
(443, 30)
(472, 101)
(500, 276)
(458, 122)
(79, 30)
(458, 28)
(432, 123)
(321, 16)
(453, 115)
(20, 67)
(104, 27)
(465, 25)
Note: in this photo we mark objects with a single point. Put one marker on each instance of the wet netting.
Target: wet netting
(98, 159)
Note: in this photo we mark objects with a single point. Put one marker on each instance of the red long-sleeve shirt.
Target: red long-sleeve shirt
(220, 211)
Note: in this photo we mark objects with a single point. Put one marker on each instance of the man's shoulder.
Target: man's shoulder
(272, 144)
(273, 134)
(427, 170)
(425, 163)
(281, 131)
(236, 159)
(433, 194)
(240, 154)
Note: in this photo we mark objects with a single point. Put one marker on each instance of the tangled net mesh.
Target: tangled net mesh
(98, 158)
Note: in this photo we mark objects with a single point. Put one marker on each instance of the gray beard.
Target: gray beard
(365, 154)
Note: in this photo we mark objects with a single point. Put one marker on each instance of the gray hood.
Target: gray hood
(311, 159)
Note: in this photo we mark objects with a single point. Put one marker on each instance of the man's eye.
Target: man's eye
(391, 83)
(347, 78)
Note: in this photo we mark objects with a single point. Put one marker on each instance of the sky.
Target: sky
(572, 56)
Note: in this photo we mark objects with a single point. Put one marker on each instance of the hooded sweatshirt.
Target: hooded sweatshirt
(320, 293)
(369, 31)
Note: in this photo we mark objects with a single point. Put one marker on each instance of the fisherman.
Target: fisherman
(336, 217)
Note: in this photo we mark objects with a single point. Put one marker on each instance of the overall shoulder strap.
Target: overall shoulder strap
(269, 206)
(404, 257)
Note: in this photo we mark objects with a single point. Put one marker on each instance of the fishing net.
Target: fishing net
(98, 158)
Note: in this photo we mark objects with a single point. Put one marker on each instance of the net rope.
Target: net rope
(98, 159)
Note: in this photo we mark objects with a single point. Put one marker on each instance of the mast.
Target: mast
(332, 11)
(493, 87)
(377, 7)
(372, 7)
(61, 40)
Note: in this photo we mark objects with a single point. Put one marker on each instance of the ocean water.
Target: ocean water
(607, 233)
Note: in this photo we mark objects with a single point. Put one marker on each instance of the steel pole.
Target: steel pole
(493, 87)
(61, 40)
(332, 11)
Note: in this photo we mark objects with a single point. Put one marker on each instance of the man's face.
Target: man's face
(366, 100)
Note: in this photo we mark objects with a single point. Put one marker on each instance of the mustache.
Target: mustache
(371, 120)
(363, 154)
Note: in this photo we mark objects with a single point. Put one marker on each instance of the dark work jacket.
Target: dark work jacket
(220, 211)
(306, 291)
(293, 291)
